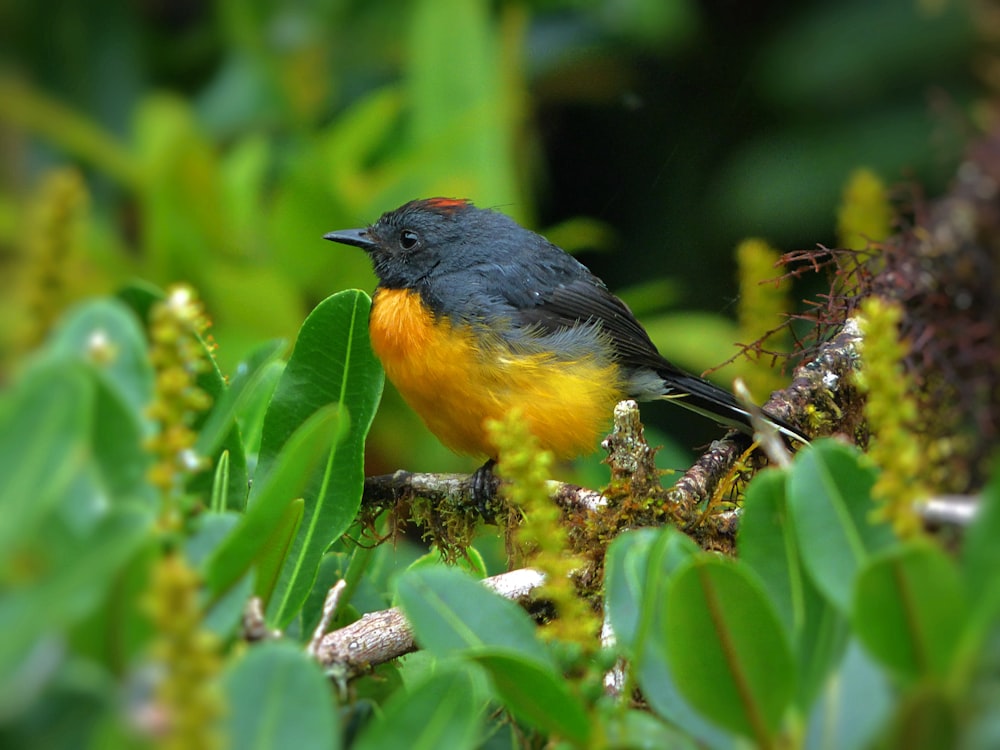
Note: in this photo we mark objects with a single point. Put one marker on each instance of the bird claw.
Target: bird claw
(483, 489)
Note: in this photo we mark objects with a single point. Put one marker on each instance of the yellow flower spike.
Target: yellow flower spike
(52, 243)
(542, 533)
(177, 356)
(763, 302)
(865, 214)
(891, 413)
(188, 694)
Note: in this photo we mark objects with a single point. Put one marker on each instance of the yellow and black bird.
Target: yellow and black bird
(474, 316)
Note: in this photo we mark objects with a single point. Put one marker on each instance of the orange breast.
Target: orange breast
(456, 380)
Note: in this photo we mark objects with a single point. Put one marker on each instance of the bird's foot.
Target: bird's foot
(484, 490)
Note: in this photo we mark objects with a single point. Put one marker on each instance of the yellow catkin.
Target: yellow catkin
(526, 467)
(865, 214)
(178, 357)
(188, 695)
(52, 238)
(891, 413)
(763, 303)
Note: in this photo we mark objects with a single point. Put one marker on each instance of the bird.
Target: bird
(475, 315)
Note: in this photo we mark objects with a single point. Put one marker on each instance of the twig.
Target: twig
(329, 610)
(381, 636)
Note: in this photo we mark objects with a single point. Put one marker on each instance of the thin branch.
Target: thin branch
(381, 636)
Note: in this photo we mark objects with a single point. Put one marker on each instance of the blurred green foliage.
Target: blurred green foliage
(215, 142)
(220, 140)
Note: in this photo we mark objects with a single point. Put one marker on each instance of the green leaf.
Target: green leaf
(980, 551)
(728, 651)
(277, 696)
(217, 503)
(304, 450)
(44, 430)
(829, 499)
(228, 439)
(536, 695)
(639, 730)
(105, 334)
(767, 544)
(853, 706)
(451, 612)
(332, 364)
(769, 547)
(276, 549)
(981, 576)
(103, 338)
(636, 561)
(910, 610)
(250, 376)
(439, 712)
(639, 566)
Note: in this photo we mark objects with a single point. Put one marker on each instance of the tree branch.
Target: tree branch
(381, 636)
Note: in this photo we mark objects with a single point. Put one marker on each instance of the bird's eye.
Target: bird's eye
(408, 239)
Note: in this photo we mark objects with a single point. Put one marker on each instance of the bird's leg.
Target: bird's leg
(484, 486)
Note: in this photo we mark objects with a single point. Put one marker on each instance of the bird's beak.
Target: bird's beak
(355, 237)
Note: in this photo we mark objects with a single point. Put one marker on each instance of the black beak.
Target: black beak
(355, 237)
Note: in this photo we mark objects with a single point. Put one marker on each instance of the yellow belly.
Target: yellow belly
(456, 381)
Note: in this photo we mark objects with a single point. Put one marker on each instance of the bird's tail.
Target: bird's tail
(709, 400)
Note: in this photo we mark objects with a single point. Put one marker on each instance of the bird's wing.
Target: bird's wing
(584, 301)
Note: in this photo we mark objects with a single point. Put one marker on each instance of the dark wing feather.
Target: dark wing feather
(585, 300)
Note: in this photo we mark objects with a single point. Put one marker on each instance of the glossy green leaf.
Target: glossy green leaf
(439, 712)
(451, 612)
(220, 484)
(910, 610)
(277, 696)
(276, 549)
(250, 376)
(768, 545)
(305, 450)
(729, 654)
(536, 695)
(332, 364)
(829, 500)
(639, 566)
